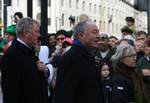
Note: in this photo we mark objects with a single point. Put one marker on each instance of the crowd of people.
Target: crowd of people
(82, 65)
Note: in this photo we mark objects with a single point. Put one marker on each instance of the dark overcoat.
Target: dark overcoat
(78, 80)
(21, 81)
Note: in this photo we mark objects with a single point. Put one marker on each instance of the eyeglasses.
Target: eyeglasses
(130, 56)
(60, 39)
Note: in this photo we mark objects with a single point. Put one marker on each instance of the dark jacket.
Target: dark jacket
(77, 79)
(128, 86)
(107, 85)
(21, 81)
(122, 89)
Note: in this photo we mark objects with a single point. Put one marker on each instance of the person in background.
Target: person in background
(58, 52)
(105, 70)
(113, 41)
(11, 30)
(10, 35)
(78, 79)
(127, 41)
(24, 76)
(104, 50)
(139, 47)
(2, 44)
(127, 33)
(131, 23)
(44, 57)
(128, 86)
(141, 35)
(148, 37)
(17, 17)
(67, 43)
(51, 43)
(143, 64)
(83, 17)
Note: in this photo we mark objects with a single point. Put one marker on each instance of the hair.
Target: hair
(51, 34)
(120, 51)
(113, 37)
(25, 24)
(139, 33)
(19, 14)
(80, 27)
(126, 29)
(61, 32)
(129, 41)
(129, 19)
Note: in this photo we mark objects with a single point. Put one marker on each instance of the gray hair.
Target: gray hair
(121, 50)
(25, 24)
(80, 27)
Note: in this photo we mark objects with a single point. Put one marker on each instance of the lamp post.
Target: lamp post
(5, 15)
(29, 8)
(44, 20)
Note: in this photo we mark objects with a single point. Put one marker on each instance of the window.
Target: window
(49, 2)
(49, 21)
(99, 9)
(39, 2)
(62, 19)
(108, 12)
(83, 5)
(69, 3)
(77, 4)
(90, 7)
(94, 8)
(62, 2)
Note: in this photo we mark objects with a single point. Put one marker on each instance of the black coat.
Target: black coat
(77, 78)
(21, 81)
(122, 89)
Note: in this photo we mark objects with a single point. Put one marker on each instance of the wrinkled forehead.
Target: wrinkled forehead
(91, 26)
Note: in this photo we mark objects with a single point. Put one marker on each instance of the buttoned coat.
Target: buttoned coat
(78, 80)
(21, 81)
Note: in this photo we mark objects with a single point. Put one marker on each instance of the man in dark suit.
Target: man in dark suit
(78, 80)
(23, 75)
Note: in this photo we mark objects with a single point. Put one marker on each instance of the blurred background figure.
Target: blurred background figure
(83, 17)
(139, 47)
(10, 35)
(141, 35)
(127, 33)
(128, 86)
(17, 16)
(113, 41)
(143, 64)
(104, 51)
(130, 22)
(51, 43)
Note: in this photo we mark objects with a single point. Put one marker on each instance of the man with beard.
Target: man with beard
(104, 52)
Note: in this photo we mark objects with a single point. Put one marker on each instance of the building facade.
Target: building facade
(109, 15)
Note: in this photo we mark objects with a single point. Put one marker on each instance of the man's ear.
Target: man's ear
(80, 34)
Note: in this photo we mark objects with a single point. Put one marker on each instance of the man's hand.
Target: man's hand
(146, 72)
(41, 66)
